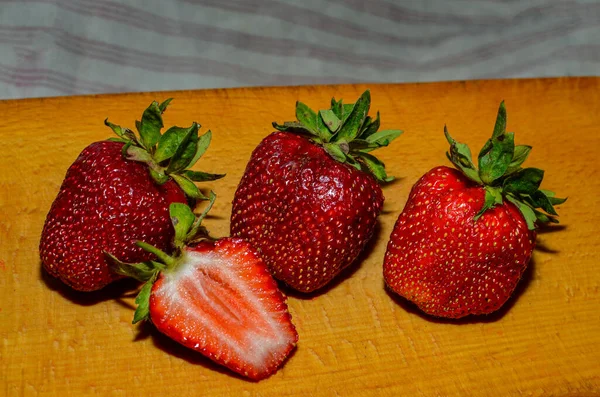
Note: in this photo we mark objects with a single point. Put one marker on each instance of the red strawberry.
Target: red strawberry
(465, 237)
(308, 202)
(117, 192)
(217, 298)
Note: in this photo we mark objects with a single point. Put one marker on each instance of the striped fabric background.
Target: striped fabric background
(65, 47)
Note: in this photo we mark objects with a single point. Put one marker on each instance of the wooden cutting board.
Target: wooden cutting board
(355, 338)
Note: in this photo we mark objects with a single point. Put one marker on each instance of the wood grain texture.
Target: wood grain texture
(355, 338)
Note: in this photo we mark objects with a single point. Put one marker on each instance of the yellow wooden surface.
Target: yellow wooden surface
(355, 338)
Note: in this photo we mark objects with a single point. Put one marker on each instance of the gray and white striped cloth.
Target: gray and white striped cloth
(65, 47)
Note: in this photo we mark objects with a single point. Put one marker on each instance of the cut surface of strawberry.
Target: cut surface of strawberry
(220, 300)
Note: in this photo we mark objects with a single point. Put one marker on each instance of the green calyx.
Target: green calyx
(168, 155)
(499, 171)
(346, 132)
(188, 230)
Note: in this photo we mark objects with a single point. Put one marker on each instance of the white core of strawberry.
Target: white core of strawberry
(222, 300)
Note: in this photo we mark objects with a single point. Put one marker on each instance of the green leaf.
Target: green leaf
(525, 181)
(197, 229)
(211, 200)
(545, 200)
(131, 136)
(332, 122)
(198, 176)
(125, 148)
(169, 142)
(335, 151)
(345, 131)
(354, 122)
(141, 271)
(520, 155)
(201, 147)
(158, 176)
(307, 117)
(142, 312)
(375, 166)
(346, 111)
(117, 129)
(527, 212)
(188, 187)
(150, 125)
(182, 219)
(295, 127)
(495, 158)
(352, 162)
(363, 146)
(309, 123)
(548, 193)
(460, 156)
(543, 218)
(552, 197)
(185, 152)
(324, 133)
(337, 107)
(500, 126)
(556, 200)
(124, 133)
(375, 141)
(498, 152)
(121, 140)
(370, 127)
(539, 200)
(384, 137)
(493, 197)
(136, 153)
(163, 106)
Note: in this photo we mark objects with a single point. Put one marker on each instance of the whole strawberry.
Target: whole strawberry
(465, 236)
(310, 195)
(119, 191)
(216, 297)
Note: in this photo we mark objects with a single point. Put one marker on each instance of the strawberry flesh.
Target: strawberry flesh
(309, 215)
(105, 203)
(221, 301)
(447, 263)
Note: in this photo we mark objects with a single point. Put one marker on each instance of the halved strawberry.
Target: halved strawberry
(221, 301)
(216, 297)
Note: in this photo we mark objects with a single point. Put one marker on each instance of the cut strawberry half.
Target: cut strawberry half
(221, 301)
(215, 297)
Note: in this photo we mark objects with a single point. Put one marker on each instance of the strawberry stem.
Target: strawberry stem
(188, 228)
(164, 257)
(500, 173)
(168, 155)
(346, 132)
(142, 271)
